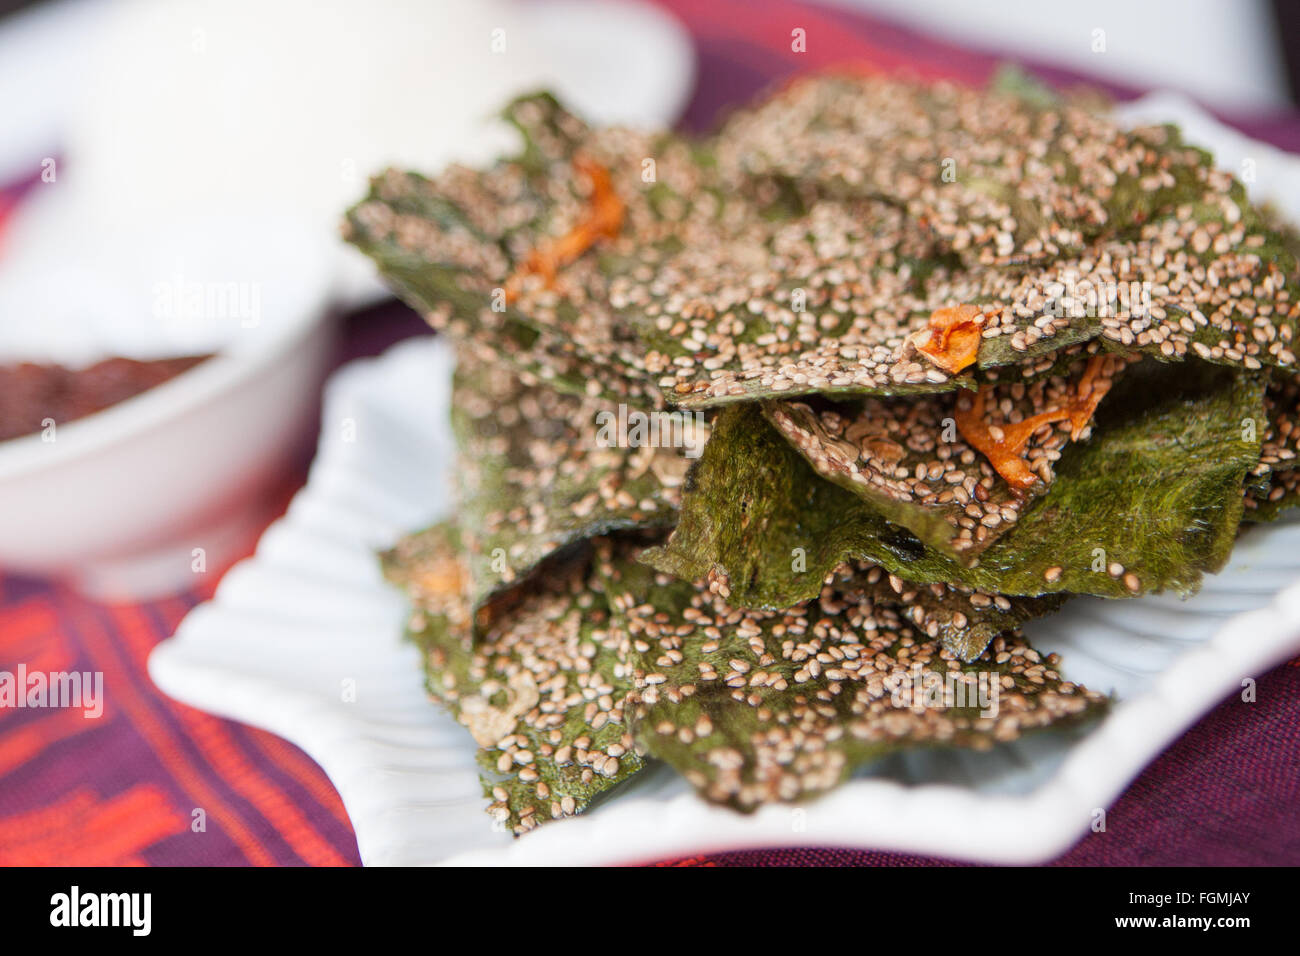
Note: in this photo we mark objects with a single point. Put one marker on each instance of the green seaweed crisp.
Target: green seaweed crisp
(543, 692)
(605, 663)
(1274, 484)
(911, 461)
(1151, 502)
(760, 706)
(932, 359)
(742, 267)
(540, 470)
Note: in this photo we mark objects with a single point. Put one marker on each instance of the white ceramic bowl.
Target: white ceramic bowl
(119, 501)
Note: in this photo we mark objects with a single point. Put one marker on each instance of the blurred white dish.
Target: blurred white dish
(203, 106)
(309, 611)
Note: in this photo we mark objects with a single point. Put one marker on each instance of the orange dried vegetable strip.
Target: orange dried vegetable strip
(1003, 445)
(953, 338)
(1083, 403)
(440, 579)
(603, 220)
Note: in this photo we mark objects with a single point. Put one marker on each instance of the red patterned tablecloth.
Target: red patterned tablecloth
(121, 789)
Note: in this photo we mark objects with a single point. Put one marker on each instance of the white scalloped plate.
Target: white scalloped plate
(302, 639)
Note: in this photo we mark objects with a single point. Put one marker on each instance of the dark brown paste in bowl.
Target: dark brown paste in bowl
(32, 394)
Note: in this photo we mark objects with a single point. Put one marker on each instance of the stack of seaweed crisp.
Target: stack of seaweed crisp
(771, 441)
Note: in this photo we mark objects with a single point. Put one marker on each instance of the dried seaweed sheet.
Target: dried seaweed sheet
(760, 706)
(733, 275)
(1150, 502)
(540, 470)
(543, 693)
(911, 460)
